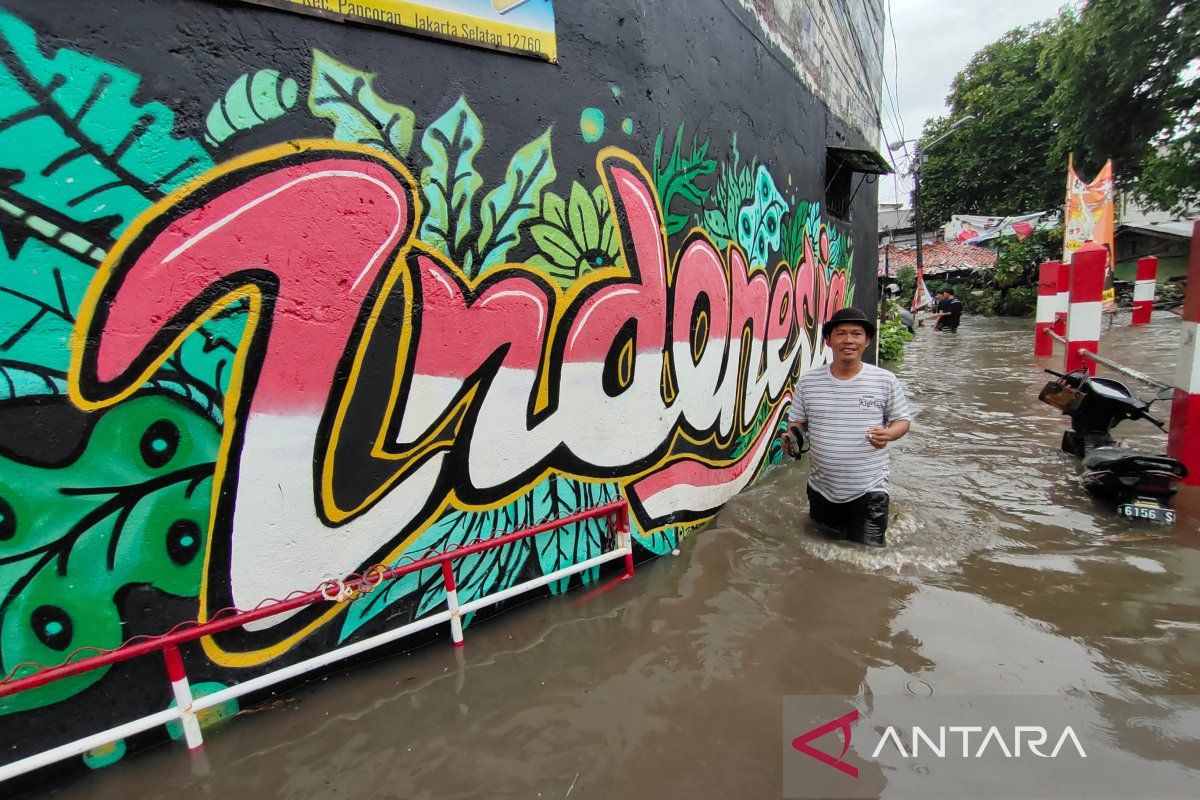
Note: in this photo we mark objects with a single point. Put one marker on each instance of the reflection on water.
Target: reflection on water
(1003, 577)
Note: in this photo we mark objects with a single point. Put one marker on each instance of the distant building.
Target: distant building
(1143, 232)
(945, 260)
(896, 226)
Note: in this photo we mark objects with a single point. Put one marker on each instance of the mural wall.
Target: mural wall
(275, 308)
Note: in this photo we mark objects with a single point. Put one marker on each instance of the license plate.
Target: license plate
(1147, 511)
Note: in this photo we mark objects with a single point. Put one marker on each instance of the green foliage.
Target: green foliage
(1126, 89)
(250, 101)
(129, 507)
(676, 177)
(1017, 261)
(892, 336)
(576, 236)
(1010, 288)
(907, 278)
(451, 187)
(346, 96)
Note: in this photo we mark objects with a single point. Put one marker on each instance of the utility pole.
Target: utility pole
(917, 208)
(916, 173)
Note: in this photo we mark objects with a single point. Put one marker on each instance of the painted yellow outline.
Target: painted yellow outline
(444, 431)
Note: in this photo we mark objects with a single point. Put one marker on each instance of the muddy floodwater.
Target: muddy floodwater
(1003, 578)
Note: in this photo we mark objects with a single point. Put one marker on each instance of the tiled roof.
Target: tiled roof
(938, 258)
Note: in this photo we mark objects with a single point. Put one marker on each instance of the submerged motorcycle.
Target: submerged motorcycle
(1142, 483)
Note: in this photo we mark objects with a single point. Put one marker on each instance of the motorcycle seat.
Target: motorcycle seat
(1119, 459)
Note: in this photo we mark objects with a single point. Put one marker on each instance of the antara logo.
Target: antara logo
(1034, 736)
(938, 742)
(843, 724)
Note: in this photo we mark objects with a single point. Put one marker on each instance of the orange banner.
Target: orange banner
(1089, 217)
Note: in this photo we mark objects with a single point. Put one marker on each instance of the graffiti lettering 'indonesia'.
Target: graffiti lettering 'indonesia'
(376, 384)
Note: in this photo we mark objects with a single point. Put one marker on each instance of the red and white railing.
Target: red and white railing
(187, 706)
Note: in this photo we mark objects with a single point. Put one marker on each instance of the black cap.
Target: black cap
(848, 314)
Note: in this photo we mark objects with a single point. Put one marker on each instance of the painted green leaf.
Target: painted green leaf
(576, 237)
(675, 177)
(21, 380)
(734, 189)
(73, 116)
(79, 159)
(122, 499)
(476, 576)
(515, 200)
(346, 96)
(495, 570)
(450, 181)
(572, 544)
(250, 101)
(39, 292)
(558, 254)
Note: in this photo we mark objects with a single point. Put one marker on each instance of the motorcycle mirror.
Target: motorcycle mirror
(1165, 394)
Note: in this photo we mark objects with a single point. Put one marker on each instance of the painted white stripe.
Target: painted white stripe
(80, 746)
(1083, 322)
(702, 498)
(1143, 290)
(1064, 302)
(456, 629)
(191, 726)
(1187, 371)
(1046, 306)
(278, 543)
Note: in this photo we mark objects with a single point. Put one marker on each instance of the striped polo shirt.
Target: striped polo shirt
(844, 464)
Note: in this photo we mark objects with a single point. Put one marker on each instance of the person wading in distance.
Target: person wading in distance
(849, 411)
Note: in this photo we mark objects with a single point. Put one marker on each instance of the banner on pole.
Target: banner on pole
(974, 229)
(516, 26)
(1089, 218)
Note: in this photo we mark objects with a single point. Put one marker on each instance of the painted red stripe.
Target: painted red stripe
(1183, 441)
(1142, 310)
(1075, 361)
(1087, 274)
(175, 671)
(1147, 268)
(1043, 345)
(1048, 278)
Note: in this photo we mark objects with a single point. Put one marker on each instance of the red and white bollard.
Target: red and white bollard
(1143, 289)
(1083, 315)
(452, 604)
(183, 697)
(1047, 305)
(1183, 439)
(1064, 297)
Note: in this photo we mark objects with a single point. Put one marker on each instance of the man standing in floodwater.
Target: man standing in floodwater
(850, 411)
(949, 310)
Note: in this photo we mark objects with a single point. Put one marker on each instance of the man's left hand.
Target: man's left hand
(878, 437)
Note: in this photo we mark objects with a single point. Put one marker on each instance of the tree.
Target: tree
(1125, 91)
(1004, 161)
(1114, 80)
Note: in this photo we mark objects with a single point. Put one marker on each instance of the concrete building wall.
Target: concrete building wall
(283, 298)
